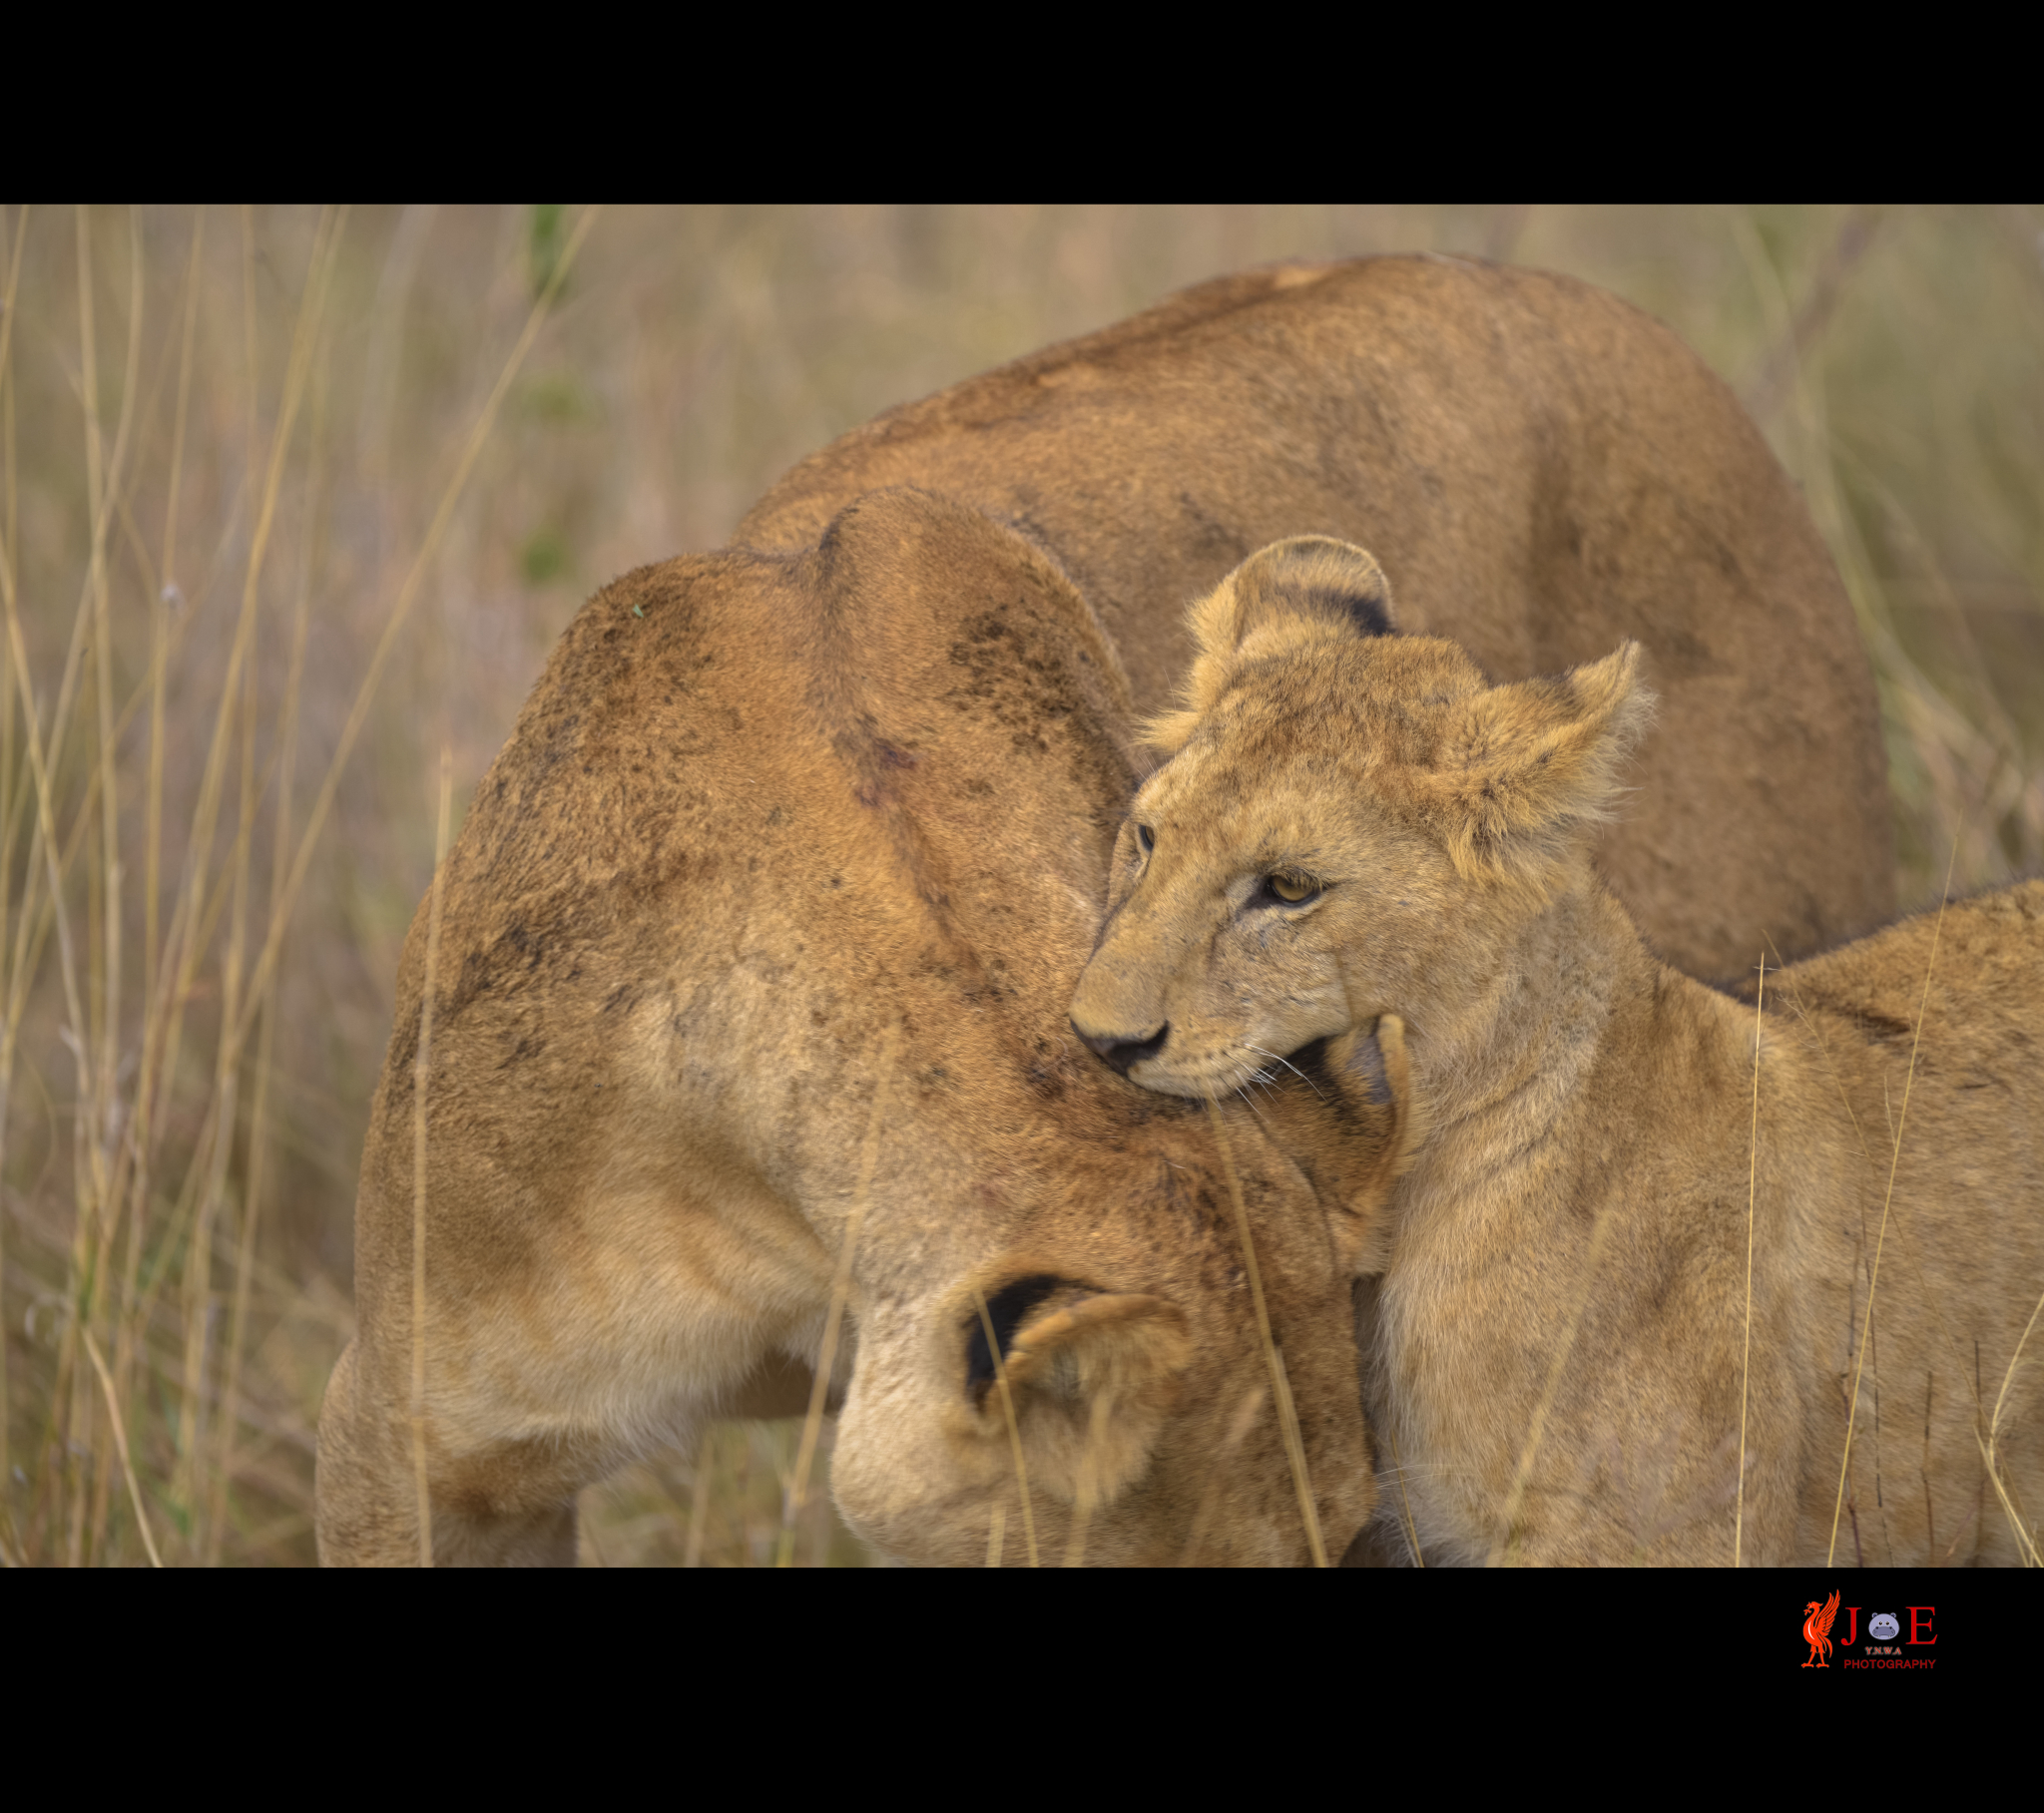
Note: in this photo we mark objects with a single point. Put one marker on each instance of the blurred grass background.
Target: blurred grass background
(293, 499)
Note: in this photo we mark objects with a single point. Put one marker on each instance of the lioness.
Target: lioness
(1546, 469)
(756, 949)
(764, 923)
(1638, 1241)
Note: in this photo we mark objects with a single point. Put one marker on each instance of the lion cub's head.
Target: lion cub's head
(1353, 822)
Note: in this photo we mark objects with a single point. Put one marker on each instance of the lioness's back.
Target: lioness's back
(1542, 469)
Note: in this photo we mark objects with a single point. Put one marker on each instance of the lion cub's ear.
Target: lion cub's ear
(1523, 770)
(1308, 588)
(1091, 1377)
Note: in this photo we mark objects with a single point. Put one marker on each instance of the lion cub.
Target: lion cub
(1637, 1242)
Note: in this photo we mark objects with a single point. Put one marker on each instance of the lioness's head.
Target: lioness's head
(1351, 823)
(894, 882)
(1158, 1366)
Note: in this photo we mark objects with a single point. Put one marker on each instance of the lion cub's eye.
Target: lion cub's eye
(1146, 839)
(1291, 889)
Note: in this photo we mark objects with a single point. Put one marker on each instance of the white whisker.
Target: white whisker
(1288, 1065)
(1252, 1076)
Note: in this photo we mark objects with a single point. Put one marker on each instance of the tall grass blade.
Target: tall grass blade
(1752, 1165)
(421, 1078)
(1880, 1240)
(1280, 1386)
(840, 1285)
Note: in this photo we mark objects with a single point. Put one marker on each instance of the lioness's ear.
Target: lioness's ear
(1524, 769)
(1091, 1377)
(1311, 587)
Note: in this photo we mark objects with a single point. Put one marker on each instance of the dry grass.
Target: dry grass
(1281, 1387)
(282, 488)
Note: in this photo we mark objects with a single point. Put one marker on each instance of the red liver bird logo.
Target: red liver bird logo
(1816, 1630)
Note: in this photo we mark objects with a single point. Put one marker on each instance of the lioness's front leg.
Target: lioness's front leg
(367, 1486)
(559, 1345)
(506, 1504)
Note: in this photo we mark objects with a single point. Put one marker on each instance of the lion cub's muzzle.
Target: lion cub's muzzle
(1120, 1050)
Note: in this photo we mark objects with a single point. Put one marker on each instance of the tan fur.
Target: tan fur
(799, 845)
(773, 891)
(1544, 469)
(1557, 1330)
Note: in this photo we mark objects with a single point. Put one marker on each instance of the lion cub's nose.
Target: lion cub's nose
(1121, 1050)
